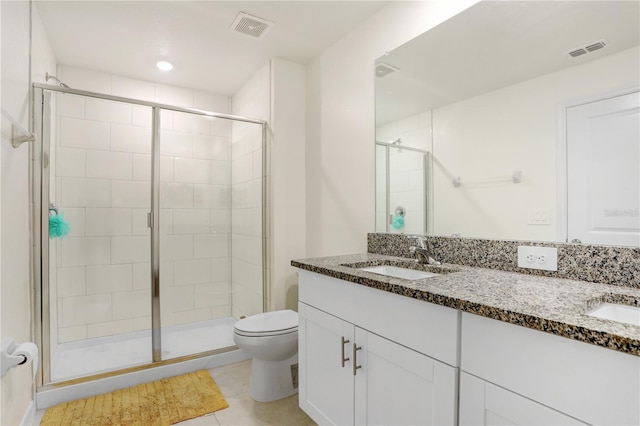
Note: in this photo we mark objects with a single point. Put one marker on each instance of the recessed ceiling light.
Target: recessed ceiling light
(164, 65)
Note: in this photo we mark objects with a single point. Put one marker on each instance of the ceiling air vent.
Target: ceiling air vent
(583, 50)
(383, 70)
(251, 26)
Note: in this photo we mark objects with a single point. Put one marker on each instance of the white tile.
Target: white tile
(132, 88)
(141, 116)
(221, 221)
(89, 80)
(108, 111)
(172, 95)
(130, 194)
(130, 249)
(190, 123)
(132, 304)
(241, 169)
(141, 276)
(166, 273)
(75, 218)
(211, 147)
(110, 328)
(241, 195)
(177, 144)
(207, 246)
(220, 312)
(208, 295)
(130, 139)
(166, 221)
(84, 251)
(176, 247)
(139, 222)
(176, 195)
(221, 127)
(186, 317)
(241, 221)
(191, 221)
(109, 165)
(76, 133)
(166, 119)
(256, 167)
(211, 196)
(108, 278)
(192, 271)
(70, 162)
(72, 334)
(177, 299)
(221, 270)
(212, 102)
(68, 105)
(220, 173)
(166, 169)
(71, 281)
(86, 309)
(142, 168)
(142, 324)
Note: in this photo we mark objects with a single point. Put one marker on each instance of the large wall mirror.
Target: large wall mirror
(514, 120)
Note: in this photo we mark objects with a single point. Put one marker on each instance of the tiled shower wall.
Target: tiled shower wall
(102, 185)
(406, 178)
(252, 100)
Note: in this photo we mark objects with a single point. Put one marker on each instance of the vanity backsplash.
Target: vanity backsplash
(593, 263)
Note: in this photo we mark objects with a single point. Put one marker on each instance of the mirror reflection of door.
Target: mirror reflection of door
(603, 165)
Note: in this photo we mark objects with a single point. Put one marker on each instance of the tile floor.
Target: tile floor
(233, 381)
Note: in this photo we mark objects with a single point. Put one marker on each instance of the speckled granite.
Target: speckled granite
(552, 305)
(618, 266)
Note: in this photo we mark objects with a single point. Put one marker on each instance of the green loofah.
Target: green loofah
(398, 222)
(58, 227)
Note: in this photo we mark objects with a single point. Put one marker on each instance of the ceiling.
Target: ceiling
(495, 44)
(129, 37)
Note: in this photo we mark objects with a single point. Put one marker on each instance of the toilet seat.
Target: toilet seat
(268, 324)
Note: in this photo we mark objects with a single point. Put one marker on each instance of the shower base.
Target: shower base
(94, 356)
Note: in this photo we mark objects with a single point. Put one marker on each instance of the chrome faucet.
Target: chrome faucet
(422, 253)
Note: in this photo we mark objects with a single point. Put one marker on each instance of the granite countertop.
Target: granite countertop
(552, 305)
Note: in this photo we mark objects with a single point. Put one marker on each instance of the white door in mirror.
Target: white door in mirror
(545, 258)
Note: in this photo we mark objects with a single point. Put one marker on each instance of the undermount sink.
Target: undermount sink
(615, 312)
(394, 271)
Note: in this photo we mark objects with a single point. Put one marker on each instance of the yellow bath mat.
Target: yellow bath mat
(163, 402)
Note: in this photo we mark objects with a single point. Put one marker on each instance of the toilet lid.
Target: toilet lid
(268, 324)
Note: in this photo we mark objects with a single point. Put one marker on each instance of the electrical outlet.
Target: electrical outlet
(539, 217)
(545, 258)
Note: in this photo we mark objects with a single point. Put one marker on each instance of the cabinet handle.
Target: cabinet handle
(355, 359)
(342, 358)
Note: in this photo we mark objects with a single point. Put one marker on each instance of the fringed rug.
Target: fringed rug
(163, 402)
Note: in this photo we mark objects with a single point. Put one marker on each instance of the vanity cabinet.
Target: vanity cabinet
(360, 365)
(516, 375)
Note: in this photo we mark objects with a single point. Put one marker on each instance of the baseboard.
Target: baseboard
(29, 415)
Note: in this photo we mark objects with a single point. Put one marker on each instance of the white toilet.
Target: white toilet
(271, 339)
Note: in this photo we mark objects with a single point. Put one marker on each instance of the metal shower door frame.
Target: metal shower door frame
(40, 187)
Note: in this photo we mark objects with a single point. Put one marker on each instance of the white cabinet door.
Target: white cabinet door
(326, 386)
(398, 386)
(482, 403)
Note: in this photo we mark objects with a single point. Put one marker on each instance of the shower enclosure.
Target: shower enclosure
(402, 188)
(166, 244)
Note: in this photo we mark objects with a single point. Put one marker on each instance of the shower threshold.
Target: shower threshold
(82, 358)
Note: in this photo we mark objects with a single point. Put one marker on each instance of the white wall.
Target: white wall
(276, 94)
(340, 124)
(16, 387)
(514, 128)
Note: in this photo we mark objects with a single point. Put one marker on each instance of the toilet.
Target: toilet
(271, 339)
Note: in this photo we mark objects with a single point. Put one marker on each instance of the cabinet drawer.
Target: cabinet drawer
(427, 328)
(590, 383)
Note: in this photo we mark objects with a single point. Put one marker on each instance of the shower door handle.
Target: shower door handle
(342, 358)
(149, 220)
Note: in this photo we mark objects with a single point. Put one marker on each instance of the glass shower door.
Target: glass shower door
(96, 185)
